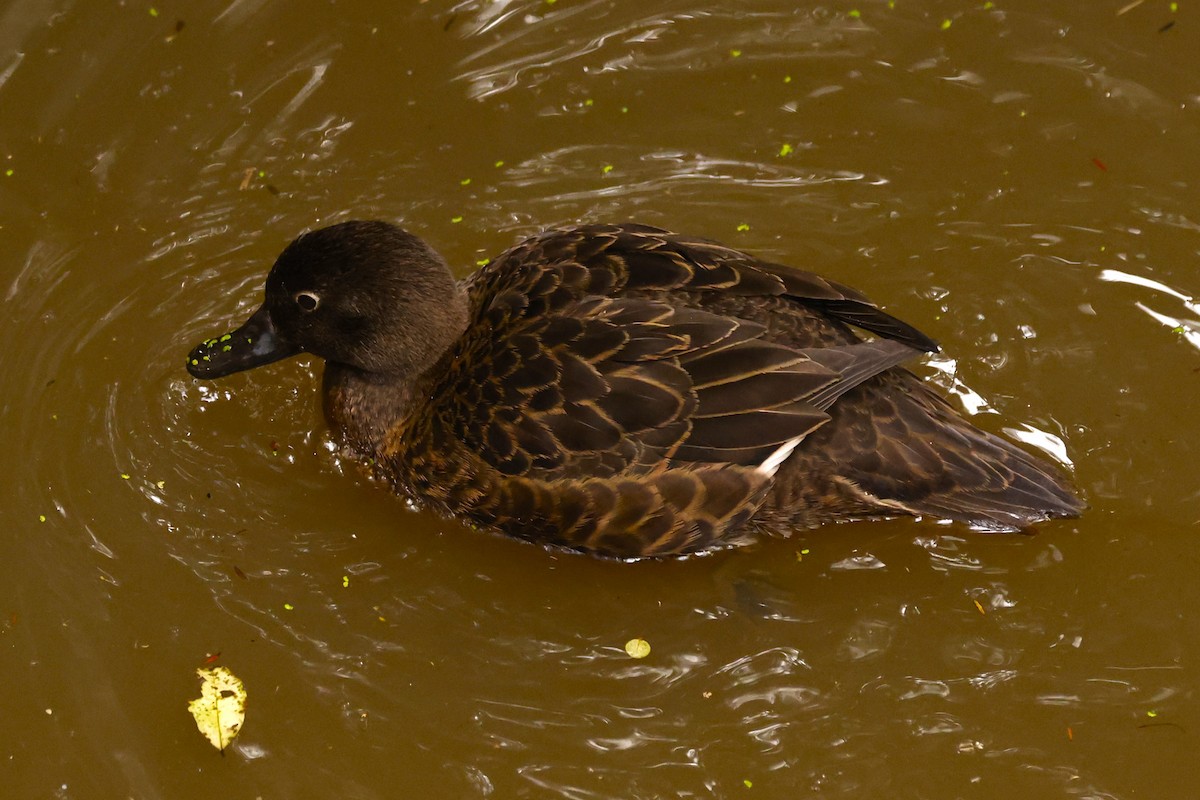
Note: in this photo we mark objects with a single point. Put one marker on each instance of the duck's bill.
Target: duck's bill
(252, 345)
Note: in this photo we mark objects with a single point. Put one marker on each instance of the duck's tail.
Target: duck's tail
(906, 449)
(998, 487)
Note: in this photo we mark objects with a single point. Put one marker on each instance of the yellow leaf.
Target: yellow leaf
(637, 648)
(221, 707)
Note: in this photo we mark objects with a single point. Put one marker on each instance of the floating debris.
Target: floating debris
(637, 648)
(221, 708)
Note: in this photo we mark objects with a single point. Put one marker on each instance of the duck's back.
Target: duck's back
(628, 391)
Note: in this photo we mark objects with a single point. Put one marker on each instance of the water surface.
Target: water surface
(1017, 180)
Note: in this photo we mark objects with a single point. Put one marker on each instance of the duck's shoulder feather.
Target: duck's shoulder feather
(602, 395)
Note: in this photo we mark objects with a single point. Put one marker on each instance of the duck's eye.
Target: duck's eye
(307, 301)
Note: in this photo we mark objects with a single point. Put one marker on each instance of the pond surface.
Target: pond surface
(1018, 179)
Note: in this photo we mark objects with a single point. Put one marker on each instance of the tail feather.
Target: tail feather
(902, 447)
(1027, 490)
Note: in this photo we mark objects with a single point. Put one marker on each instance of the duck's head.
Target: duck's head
(366, 294)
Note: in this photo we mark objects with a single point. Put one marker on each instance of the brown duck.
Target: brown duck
(625, 391)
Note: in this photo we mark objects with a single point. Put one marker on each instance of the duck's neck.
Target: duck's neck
(360, 408)
(363, 406)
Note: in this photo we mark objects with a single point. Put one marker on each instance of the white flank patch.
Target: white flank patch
(771, 465)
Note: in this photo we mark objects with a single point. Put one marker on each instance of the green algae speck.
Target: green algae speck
(637, 648)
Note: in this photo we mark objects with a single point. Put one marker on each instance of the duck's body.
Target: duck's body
(628, 392)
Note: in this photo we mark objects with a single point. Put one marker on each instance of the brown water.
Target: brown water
(1021, 184)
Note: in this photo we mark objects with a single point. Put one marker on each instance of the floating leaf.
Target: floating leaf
(221, 708)
(637, 648)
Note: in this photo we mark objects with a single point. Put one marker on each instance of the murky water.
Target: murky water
(1017, 179)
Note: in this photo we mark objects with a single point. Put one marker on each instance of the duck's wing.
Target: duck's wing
(645, 258)
(588, 404)
(588, 356)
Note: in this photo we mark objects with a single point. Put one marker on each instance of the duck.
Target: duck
(628, 392)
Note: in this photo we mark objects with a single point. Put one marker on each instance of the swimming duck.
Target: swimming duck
(626, 391)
